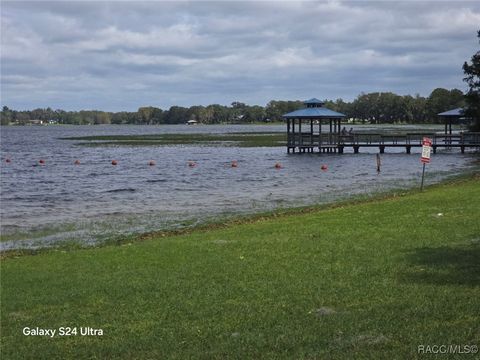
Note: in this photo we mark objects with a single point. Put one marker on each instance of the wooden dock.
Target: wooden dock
(336, 143)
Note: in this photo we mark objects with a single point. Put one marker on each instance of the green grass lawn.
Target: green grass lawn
(364, 281)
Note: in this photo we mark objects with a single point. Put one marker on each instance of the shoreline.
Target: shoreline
(248, 218)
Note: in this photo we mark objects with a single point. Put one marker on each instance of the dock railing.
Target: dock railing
(439, 140)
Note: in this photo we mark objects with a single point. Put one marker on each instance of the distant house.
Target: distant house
(35, 122)
(192, 122)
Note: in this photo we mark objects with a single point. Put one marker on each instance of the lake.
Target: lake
(44, 205)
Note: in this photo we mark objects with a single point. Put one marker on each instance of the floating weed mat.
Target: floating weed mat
(233, 139)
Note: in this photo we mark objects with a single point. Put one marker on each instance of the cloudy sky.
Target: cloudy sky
(121, 55)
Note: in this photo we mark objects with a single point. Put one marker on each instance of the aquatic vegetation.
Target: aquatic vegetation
(259, 139)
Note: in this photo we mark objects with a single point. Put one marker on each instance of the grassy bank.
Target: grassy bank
(369, 280)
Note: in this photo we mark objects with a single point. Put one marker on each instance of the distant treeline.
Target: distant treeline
(385, 107)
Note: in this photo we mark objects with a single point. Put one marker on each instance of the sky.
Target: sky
(121, 55)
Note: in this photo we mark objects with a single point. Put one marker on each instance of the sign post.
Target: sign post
(425, 159)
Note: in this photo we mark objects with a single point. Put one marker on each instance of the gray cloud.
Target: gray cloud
(122, 55)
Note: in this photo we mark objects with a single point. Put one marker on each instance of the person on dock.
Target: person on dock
(344, 131)
(350, 132)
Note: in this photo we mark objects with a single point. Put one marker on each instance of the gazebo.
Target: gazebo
(313, 116)
(449, 116)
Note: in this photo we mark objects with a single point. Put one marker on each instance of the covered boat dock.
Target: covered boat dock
(310, 136)
(305, 135)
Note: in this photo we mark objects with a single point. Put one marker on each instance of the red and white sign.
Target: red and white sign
(427, 142)
(426, 149)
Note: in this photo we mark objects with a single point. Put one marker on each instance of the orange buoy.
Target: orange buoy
(41, 162)
(278, 166)
(234, 163)
(77, 162)
(192, 163)
(114, 162)
(151, 163)
(324, 167)
(8, 161)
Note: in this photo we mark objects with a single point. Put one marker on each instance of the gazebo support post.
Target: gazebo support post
(293, 135)
(289, 138)
(330, 135)
(300, 137)
(311, 135)
(319, 135)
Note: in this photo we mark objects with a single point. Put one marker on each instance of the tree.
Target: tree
(218, 114)
(342, 107)
(438, 102)
(157, 116)
(176, 115)
(441, 100)
(101, 117)
(198, 113)
(22, 117)
(120, 118)
(254, 114)
(415, 108)
(6, 116)
(472, 98)
(275, 109)
(146, 114)
(362, 107)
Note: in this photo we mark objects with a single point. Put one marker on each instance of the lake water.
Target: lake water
(59, 201)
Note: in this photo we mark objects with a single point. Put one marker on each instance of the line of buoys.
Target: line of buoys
(324, 167)
(190, 163)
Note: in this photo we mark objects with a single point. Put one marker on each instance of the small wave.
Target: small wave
(156, 180)
(121, 190)
(251, 179)
(185, 189)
